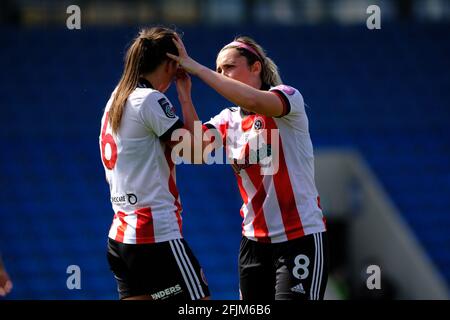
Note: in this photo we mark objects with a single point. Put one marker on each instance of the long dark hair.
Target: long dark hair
(145, 54)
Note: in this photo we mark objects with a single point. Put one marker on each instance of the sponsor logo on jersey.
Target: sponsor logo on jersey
(132, 199)
(122, 199)
(166, 293)
(167, 108)
(298, 288)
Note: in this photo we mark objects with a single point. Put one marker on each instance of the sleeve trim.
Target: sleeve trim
(209, 126)
(221, 136)
(166, 135)
(285, 101)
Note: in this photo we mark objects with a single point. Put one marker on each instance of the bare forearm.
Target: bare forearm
(190, 117)
(237, 92)
(189, 114)
(243, 95)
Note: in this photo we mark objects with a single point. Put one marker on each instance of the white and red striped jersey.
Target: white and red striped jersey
(285, 205)
(139, 169)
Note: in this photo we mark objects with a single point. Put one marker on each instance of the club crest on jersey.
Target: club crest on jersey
(167, 108)
(259, 124)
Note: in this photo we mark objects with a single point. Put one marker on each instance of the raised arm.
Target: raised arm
(190, 118)
(252, 99)
(184, 85)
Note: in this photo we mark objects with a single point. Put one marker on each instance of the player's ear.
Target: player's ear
(256, 67)
(171, 66)
(166, 65)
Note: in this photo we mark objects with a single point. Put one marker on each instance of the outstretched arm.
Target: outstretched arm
(249, 98)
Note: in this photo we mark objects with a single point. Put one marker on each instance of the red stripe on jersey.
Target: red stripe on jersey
(223, 131)
(173, 188)
(257, 201)
(144, 226)
(323, 218)
(285, 194)
(212, 138)
(247, 123)
(244, 194)
(205, 130)
(122, 227)
(178, 214)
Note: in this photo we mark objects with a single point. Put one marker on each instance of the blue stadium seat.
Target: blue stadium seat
(385, 95)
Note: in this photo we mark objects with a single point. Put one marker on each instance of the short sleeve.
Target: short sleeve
(293, 105)
(220, 123)
(159, 115)
(292, 99)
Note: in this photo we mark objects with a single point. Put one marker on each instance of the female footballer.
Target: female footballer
(146, 250)
(283, 251)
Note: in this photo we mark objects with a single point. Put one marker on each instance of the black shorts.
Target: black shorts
(291, 270)
(165, 271)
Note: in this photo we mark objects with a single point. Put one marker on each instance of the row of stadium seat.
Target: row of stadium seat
(383, 93)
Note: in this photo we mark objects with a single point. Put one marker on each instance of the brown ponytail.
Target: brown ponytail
(145, 54)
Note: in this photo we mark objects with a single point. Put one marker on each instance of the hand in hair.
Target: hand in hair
(242, 94)
(186, 62)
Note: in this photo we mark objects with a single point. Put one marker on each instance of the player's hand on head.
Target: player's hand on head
(180, 46)
(186, 62)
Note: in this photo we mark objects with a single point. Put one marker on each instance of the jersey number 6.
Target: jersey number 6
(108, 140)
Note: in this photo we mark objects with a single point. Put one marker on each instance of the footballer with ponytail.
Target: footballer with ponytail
(283, 253)
(145, 240)
(253, 52)
(145, 54)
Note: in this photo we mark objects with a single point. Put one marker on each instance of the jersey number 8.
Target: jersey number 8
(301, 264)
(109, 155)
